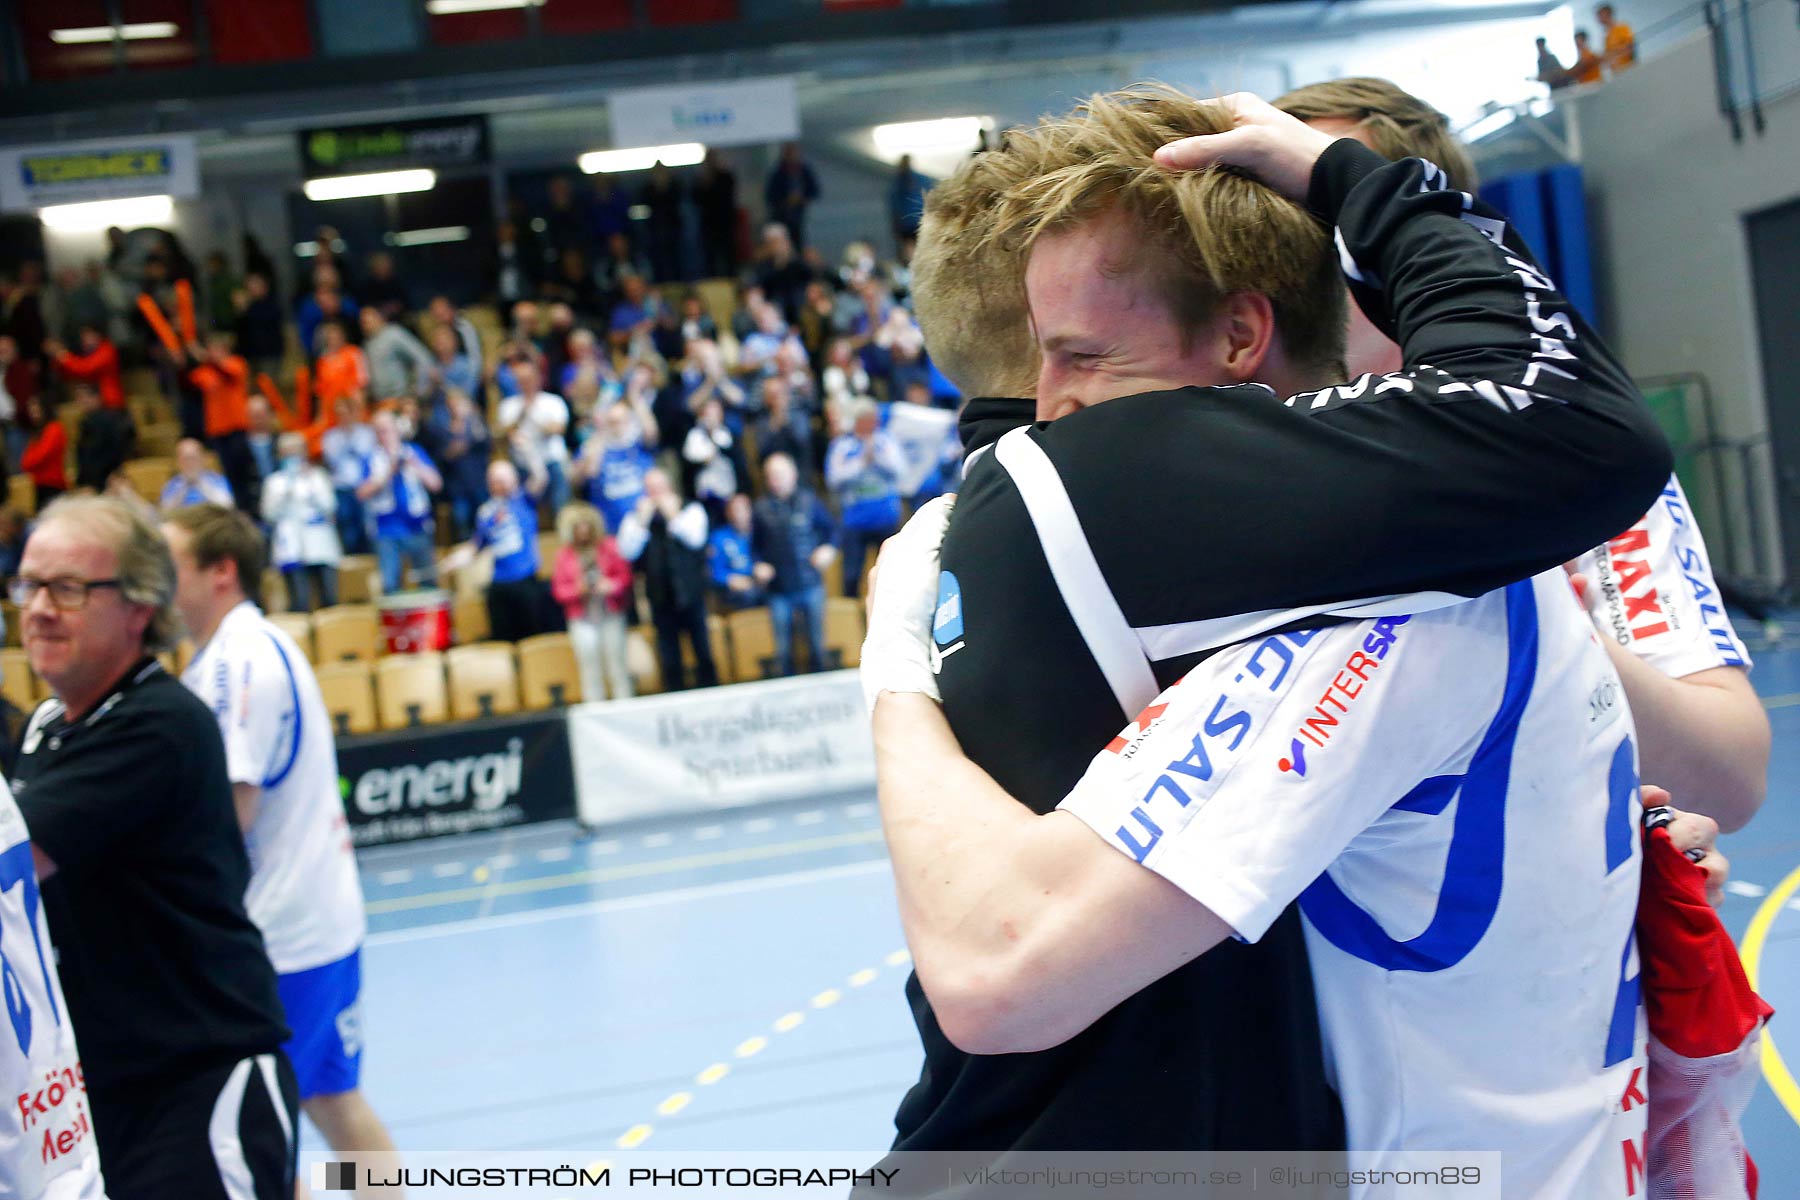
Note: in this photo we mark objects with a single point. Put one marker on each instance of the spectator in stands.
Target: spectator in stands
(445, 316)
(261, 333)
(452, 368)
(192, 482)
(399, 363)
(791, 188)
(265, 454)
(382, 290)
(98, 364)
(571, 282)
(1549, 67)
(634, 316)
(615, 459)
(757, 354)
(782, 428)
(620, 260)
(300, 508)
(108, 437)
(518, 602)
(818, 323)
(46, 455)
(1587, 68)
(588, 379)
(906, 203)
(565, 225)
(325, 304)
(84, 301)
(667, 541)
(560, 328)
(224, 382)
(456, 438)
(23, 305)
(221, 282)
(940, 464)
(791, 537)
(663, 195)
(903, 346)
(1620, 46)
(344, 448)
(608, 211)
(844, 378)
(714, 461)
(730, 561)
(715, 195)
(342, 372)
(703, 378)
(863, 469)
(532, 423)
(696, 322)
(18, 386)
(780, 272)
(398, 481)
(511, 271)
(592, 582)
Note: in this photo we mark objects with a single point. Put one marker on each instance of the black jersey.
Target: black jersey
(1091, 561)
(164, 973)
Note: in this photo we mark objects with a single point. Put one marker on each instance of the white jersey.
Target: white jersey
(304, 892)
(46, 1133)
(1452, 799)
(1652, 590)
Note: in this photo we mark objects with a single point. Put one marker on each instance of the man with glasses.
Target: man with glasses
(123, 785)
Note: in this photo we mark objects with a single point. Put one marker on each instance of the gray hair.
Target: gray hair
(146, 573)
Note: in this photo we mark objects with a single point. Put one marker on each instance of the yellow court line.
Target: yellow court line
(1775, 1070)
(549, 883)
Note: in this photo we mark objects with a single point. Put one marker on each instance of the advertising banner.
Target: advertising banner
(746, 743)
(740, 112)
(75, 173)
(421, 783)
(394, 146)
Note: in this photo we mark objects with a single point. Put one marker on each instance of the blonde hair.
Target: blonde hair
(1208, 234)
(968, 292)
(145, 572)
(573, 514)
(1396, 124)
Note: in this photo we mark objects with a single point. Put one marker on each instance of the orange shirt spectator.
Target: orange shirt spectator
(46, 459)
(339, 373)
(98, 364)
(224, 382)
(1587, 63)
(1620, 50)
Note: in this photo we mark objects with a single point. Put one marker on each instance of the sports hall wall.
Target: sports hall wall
(1668, 191)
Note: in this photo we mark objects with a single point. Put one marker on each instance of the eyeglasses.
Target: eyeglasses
(70, 595)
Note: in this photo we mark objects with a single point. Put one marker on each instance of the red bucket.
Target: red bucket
(414, 621)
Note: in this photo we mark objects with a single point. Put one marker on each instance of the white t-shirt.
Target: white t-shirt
(1452, 799)
(1652, 589)
(46, 1128)
(304, 892)
(547, 411)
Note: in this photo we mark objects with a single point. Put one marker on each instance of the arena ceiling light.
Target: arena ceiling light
(448, 8)
(96, 215)
(139, 32)
(641, 158)
(379, 183)
(940, 136)
(428, 237)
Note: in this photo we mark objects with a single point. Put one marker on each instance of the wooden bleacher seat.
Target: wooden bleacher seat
(409, 690)
(15, 623)
(349, 691)
(17, 683)
(275, 597)
(548, 545)
(148, 475)
(752, 637)
(641, 662)
(719, 634)
(297, 626)
(158, 437)
(357, 579)
(844, 629)
(483, 680)
(548, 676)
(469, 618)
(346, 631)
(21, 493)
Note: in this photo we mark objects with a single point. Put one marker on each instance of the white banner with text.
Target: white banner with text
(737, 112)
(722, 747)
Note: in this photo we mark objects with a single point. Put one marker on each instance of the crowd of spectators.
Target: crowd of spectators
(1617, 53)
(696, 448)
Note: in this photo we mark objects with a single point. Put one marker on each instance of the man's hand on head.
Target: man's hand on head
(896, 654)
(1275, 148)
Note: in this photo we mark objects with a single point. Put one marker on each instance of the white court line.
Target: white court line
(707, 833)
(392, 877)
(501, 862)
(625, 903)
(554, 854)
(859, 810)
(758, 825)
(656, 841)
(603, 848)
(1739, 887)
(446, 869)
(809, 818)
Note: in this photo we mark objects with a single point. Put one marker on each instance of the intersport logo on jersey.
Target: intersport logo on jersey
(482, 775)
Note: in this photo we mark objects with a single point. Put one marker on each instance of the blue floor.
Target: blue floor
(733, 982)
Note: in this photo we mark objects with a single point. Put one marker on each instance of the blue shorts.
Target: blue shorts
(326, 1018)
